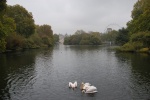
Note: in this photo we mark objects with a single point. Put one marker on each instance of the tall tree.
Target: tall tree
(2, 7)
(24, 20)
(122, 36)
(2, 28)
(45, 30)
(56, 38)
(140, 17)
(46, 33)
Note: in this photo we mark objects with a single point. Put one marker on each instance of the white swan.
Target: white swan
(87, 88)
(73, 85)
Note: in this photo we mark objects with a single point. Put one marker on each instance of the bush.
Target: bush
(144, 50)
(2, 45)
(143, 37)
(14, 41)
(36, 39)
(131, 47)
(128, 47)
(47, 41)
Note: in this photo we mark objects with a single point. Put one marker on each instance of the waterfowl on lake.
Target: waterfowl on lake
(87, 88)
(73, 85)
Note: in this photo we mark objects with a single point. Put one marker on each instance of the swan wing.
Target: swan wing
(86, 87)
(70, 84)
(88, 84)
(75, 83)
(91, 89)
(91, 92)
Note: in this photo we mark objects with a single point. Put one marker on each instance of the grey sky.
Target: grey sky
(67, 16)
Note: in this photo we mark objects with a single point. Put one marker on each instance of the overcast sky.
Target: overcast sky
(67, 16)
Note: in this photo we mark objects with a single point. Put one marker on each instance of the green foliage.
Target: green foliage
(9, 25)
(42, 38)
(82, 38)
(24, 21)
(137, 42)
(2, 45)
(95, 38)
(56, 38)
(2, 28)
(47, 41)
(2, 31)
(131, 46)
(14, 41)
(17, 29)
(36, 39)
(2, 7)
(44, 30)
(46, 33)
(139, 28)
(144, 50)
(141, 17)
(28, 43)
(128, 47)
(122, 36)
(110, 36)
(143, 37)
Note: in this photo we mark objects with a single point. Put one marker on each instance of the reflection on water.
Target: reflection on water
(17, 73)
(140, 76)
(44, 74)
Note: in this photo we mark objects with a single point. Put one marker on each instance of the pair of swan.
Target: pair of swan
(85, 87)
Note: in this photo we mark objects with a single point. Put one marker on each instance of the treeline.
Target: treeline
(109, 37)
(18, 30)
(136, 37)
(82, 38)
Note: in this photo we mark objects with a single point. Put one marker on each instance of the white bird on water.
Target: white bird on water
(87, 88)
(73, 85)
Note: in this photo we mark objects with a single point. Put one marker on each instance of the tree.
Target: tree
(95, 38)
(24, 21)
(140, 17)
(2, 28)
(2, 7)
(45, 30)
(46, 33)
(82, 38)
(122, 37)
(110, 36)
(56, 38)
(142, 37)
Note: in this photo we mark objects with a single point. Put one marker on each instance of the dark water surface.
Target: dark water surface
(44, 74)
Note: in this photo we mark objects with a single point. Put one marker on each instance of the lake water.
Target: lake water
(45, 74)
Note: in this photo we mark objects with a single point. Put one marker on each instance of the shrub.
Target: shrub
(14, 41)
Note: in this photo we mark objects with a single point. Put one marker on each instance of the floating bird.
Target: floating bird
(87, 88)
(73, 85)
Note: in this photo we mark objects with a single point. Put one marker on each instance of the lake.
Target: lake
(44, 74)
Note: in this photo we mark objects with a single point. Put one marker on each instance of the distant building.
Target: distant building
(108, 30)
(61, 38)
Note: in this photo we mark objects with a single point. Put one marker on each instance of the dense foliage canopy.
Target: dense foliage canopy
(139, 28)
(17, 29)
(82, 38)
(24, 20)
(2, 26)
(140, 17)
(122, 36)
